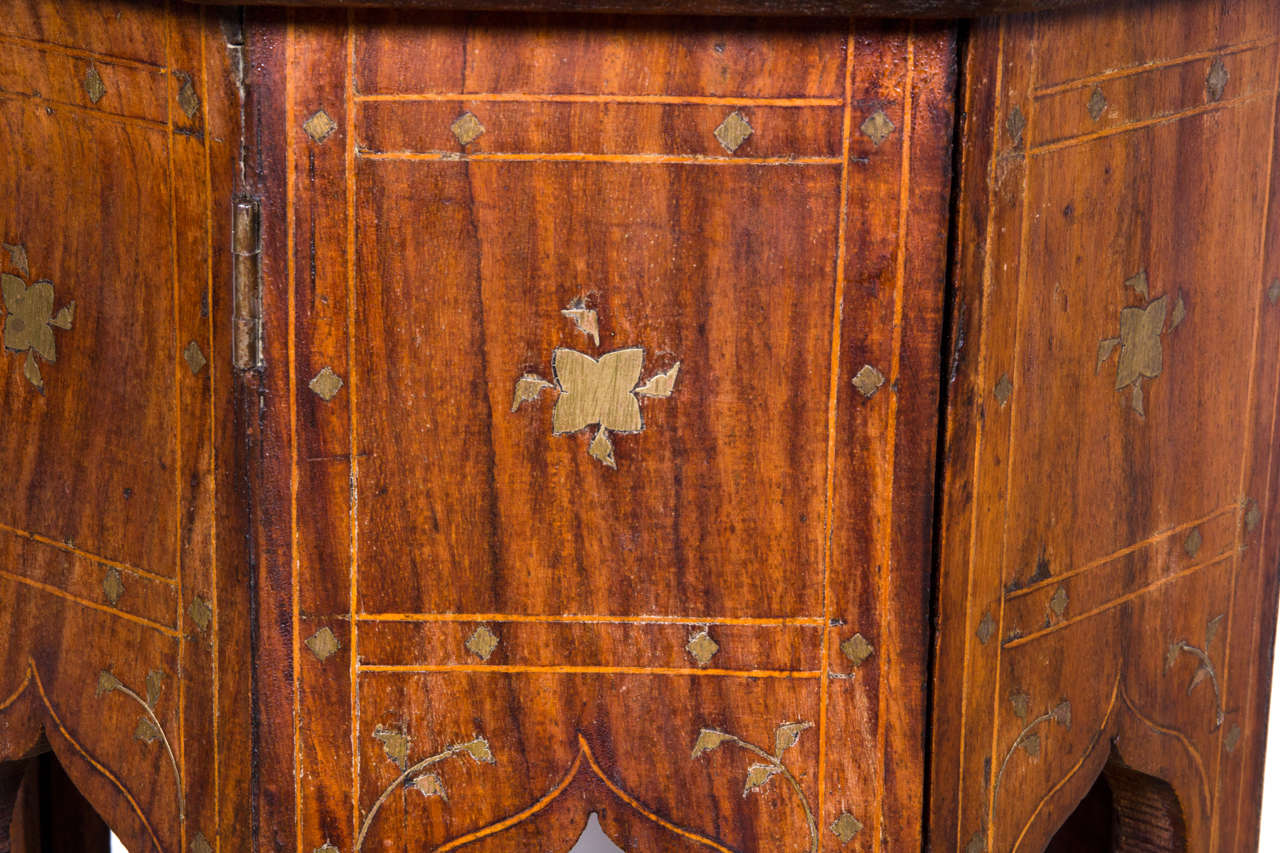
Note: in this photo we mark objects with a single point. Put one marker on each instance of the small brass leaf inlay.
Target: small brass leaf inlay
(482, 642)
(1193, 542)
(326, 384)
(323, 644)
(18, 257)
(194, 357)
(201, 613)
(188, 100)
(1097, 103)
(734, 131)
(326, 848)
(1058, 604)
(1016, 124)
(319, 126)
(857, 649)
(846, 827)
(1215, 84)
(702, 648)
(660, 385)
(986, 628)
(1021, 702)
(395, 743)
(200, 844)
(528, 389)
(466, 128)
(146, 731)
(1232, 738)
(868, 380)
(1140, 340)
(1139, 284)
(877, 127)
(1252, 516)
(112, 586)
(1004, 389)
(584, 319)
(93, 85)
(1273, 292)
(430, 785)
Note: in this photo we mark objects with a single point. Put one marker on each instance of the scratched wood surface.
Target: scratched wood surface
(1107, 566)
(118, 127)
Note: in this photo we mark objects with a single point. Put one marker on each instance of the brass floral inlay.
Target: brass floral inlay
(420, 777)
(759, 774)
(601, 392)
(1142, 329)
(30, 321)
(1205, 671)
(148, 729)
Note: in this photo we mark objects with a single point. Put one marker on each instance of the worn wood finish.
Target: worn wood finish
(1108, 541)
(587, 460)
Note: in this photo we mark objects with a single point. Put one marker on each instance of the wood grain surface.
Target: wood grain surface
(1106, 587)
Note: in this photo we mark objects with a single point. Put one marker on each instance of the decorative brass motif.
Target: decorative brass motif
(734, 131)
(1097, 103)
(149, 729)
(482, 642)
(30, 321)
(326, 384)
(1028, 740)
(877, 127)
(986, 628)
(93, 85)
(785, 736)
(112, 586)
(1021, 702)
(868, 380)
(395, 743)
(1004, 389)
(599, 392)
(18, 257)
(1205, 670)
(323, 644)
(857, 649)
(188, 100)
(1232, 738)
(194, 357)
(1193, 542)
(466, 128)
(201, 613)
(1216, 81)
(702, 648)
(1252, 515)
(1140, 340)
(423, 780)
(1273, 292)
(846, 827)
(1058, 604)
(1016, 124)
(200, 844)
(319, 126)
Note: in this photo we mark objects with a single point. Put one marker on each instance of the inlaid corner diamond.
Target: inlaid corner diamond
(734, 131)
(466, 128)
(877, 127)
(702, 648)
(482, 642)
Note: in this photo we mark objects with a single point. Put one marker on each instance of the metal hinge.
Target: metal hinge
(246, 282)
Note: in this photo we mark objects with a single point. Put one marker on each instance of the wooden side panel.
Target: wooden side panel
(1107, 552)
(119, 128)
(600, 385)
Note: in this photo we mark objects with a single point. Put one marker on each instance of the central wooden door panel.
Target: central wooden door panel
(607, 380)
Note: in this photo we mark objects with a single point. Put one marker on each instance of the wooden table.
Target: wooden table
(763, 426)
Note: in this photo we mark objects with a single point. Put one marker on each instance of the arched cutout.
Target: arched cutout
(594, 840)
(42, 810)
(1124, 812)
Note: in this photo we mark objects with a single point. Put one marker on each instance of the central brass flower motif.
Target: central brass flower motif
(29, 324)
(599, 392)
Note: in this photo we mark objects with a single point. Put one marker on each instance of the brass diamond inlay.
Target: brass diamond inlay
(734, 131)
(112, 586)
(319, 126)
(846, 827)
(1097, 103)
(194, 357)
(93, 85)
(326, 384)
(857, 649)
(868, 380)
(323, 644)
(466, 128)
(702, 648)
(877, 127)
(482, 642)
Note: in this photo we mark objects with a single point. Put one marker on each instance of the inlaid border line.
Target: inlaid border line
(512, 669)
(1167, 118)
(579, 157)
(1117, 601)
(92, 605)
(93, 558)
(577, 619)
(86, 112)
(1156, 65)
(1154, 539)
(353, 519)
(81, 53)
(572, 98)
